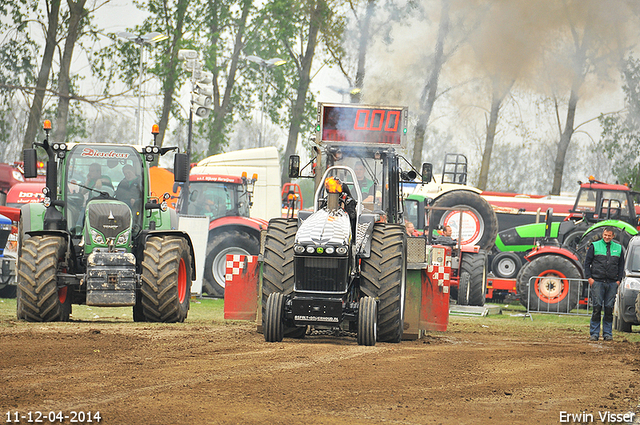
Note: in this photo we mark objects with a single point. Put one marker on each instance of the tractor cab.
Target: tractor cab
(598, 201)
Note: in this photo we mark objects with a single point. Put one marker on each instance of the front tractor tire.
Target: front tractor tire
(383, 278)
(549, 283)
(273, 318)
(229, 242)
(38, 297)
(473, 279)
(367, 321)
(166, 279)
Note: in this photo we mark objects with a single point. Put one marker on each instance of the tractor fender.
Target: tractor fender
(622, 225)
(32, 216)
(559, 251)
(255, 224)
(145, 234)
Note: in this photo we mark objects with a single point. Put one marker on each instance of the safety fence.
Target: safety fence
(558, 295)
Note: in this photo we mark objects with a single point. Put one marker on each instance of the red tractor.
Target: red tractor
(226, 200)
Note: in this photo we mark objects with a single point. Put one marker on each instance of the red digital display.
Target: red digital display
(361, 124)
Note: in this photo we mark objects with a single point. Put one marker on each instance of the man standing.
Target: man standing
(604, 267)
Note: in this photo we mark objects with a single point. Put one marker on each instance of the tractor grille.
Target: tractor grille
(321, 274)
(109, 218)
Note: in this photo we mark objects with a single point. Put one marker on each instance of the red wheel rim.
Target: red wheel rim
(62, 294)
(552, 287)
(182, 281)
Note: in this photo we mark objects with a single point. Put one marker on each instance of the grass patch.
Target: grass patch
(202, 310)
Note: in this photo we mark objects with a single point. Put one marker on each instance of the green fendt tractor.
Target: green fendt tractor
(95, 242)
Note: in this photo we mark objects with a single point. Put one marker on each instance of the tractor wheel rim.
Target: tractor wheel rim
(182, 281)
(472, 224)
(506, 266)
(552, 286)
(219, 266)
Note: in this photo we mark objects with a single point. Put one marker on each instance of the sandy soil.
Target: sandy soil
(225, 373)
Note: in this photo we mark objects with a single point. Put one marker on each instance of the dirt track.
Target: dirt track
(226, 373)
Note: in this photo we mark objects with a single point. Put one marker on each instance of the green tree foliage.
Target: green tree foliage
(620, 137)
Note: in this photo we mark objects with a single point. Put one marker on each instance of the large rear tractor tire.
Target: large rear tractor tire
(229, 242)
(367, 321)
(166, 279)
(473, 279)
(638, 307)
(273, 320)
(383, 278)
(480, 223)
(277, 268)
(555, 284)
(38, 297)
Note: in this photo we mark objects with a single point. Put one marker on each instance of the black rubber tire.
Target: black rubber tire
(543, 290)
(228, 242)
(273, 318)
(506, 265)
(277, 267)
(638, 308)
(487, 219)
(367, 322)
(37, 292)
(573, 238)
(383, 277)
(473, 265)
(8, 291)
(619, 324)
(166, 279)
(138, 310)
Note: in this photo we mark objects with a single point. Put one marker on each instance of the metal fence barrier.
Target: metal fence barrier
(558, 295)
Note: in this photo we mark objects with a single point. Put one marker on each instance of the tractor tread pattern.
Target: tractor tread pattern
(382, 277)
(475, 265)
(160, 297)
(37, 292)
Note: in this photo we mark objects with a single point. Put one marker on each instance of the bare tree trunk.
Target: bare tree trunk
(305, 78)
(76, 13)
(565, 139)
(362, 50)
(221, 107)
(431, 89)
(497, 97)
(169, 84)
(43, 75)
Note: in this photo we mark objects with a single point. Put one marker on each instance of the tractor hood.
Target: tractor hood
(325, 227)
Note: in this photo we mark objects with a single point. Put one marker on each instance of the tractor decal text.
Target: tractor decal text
(316, 319)
(90, 152)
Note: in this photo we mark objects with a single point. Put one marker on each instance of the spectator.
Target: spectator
(410, 228)
(604, 268)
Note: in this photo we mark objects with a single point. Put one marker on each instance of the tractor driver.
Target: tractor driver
(365, 183)
(129, 188)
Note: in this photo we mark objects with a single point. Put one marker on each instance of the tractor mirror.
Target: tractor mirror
(30, 163)
(181, 167)
(427, 172)
(294, 166)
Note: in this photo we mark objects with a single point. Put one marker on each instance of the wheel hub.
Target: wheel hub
(550, 286)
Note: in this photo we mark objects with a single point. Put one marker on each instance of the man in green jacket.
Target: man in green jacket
(604, 267)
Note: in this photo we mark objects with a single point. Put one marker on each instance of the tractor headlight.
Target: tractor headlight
(342, 250)
(311, 249)
(330, 250)
(632, 283)
(298, 249)
(97, 237)
(123, 238)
